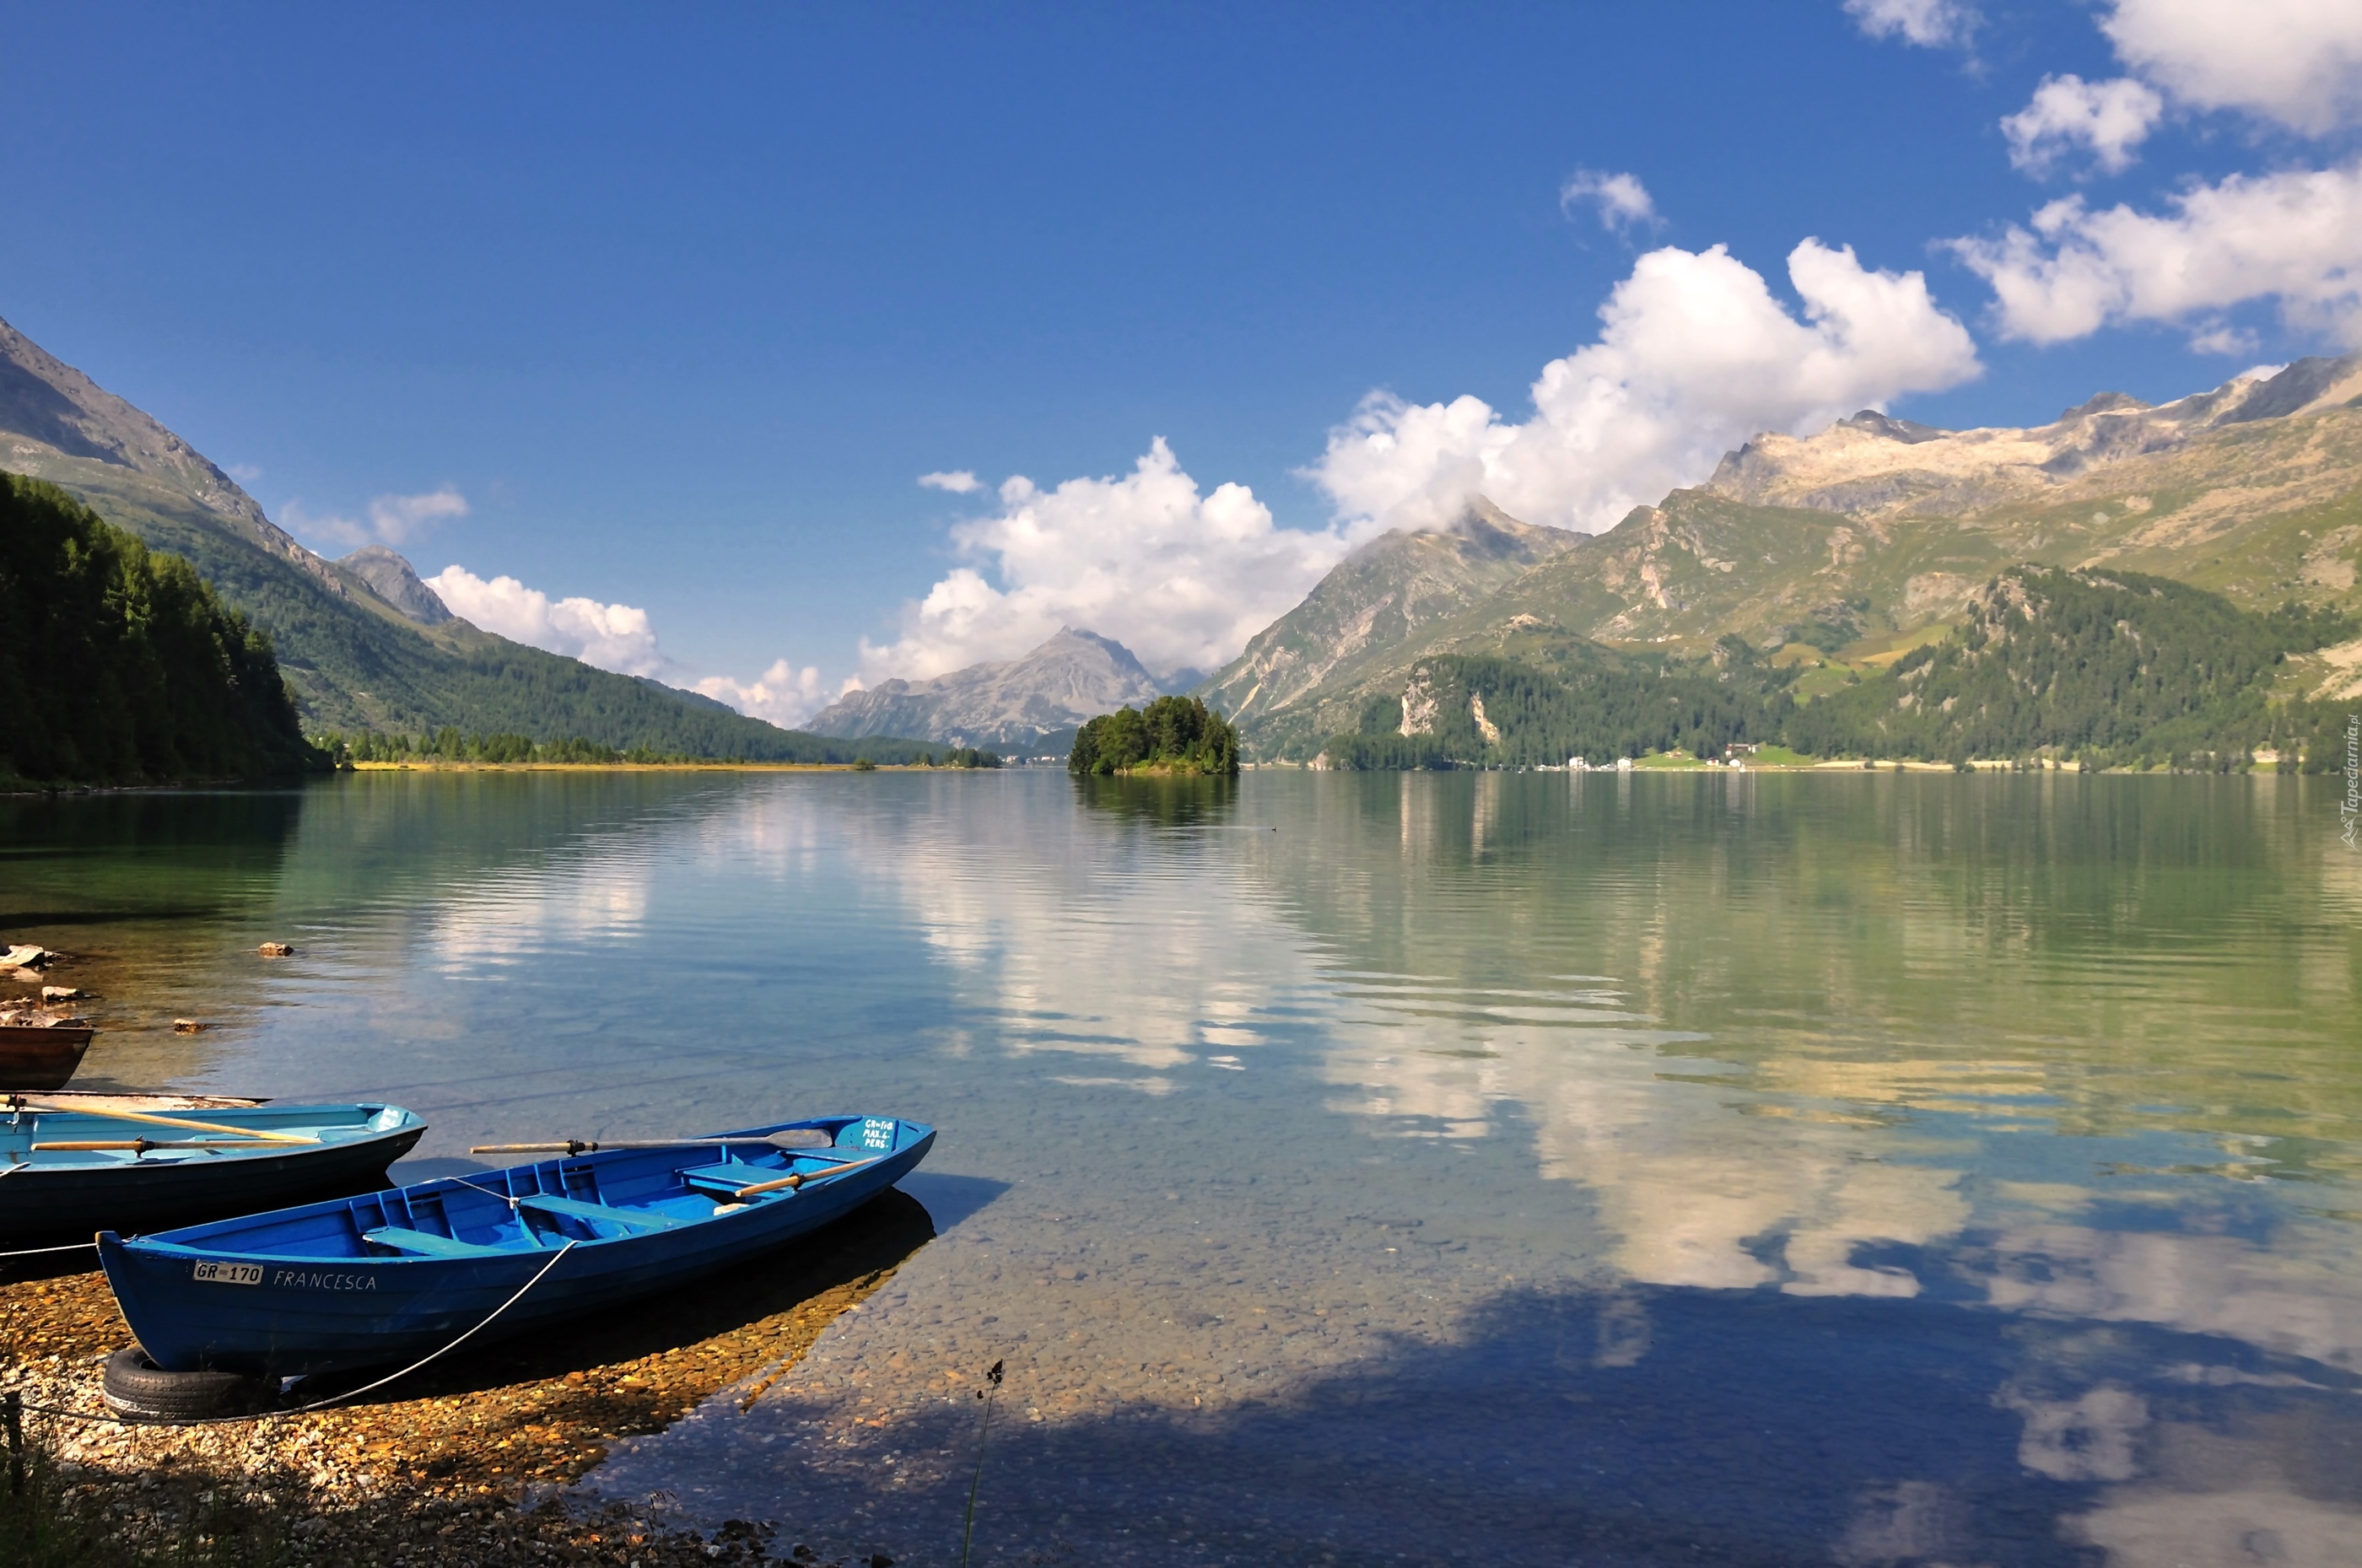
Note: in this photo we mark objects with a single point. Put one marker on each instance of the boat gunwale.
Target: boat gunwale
(159, 1244)
(355, 1134)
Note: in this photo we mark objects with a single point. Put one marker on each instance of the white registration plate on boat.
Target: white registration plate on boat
(229, 1273)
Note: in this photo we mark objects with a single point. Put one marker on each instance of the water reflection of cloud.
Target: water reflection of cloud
(2160, 1528)
(2299, 1296)
(1796, 1233)
(1693, 1194)
(1131, 955)
(600, 900)
(1133, 947)
(1807, 1149)
(1696, 1194)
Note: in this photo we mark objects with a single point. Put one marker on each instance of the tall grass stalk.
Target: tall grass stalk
(983, 1436)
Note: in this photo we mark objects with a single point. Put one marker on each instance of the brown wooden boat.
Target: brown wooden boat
(41, 1056)
(104, 1102)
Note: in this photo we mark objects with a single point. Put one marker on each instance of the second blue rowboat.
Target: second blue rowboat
(394, 1276)
(70, 1167)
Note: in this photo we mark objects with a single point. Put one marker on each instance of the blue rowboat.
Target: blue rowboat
(390, 1277)
(65, 1172)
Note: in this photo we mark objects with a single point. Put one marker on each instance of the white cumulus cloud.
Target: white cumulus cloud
(1181, 578)
(1930, 24)
(1695, 356)
(2296, 62)
(959, 481)
(2294, 238)
(389, 519)
(1621, 200)
(2108, 119)
(612, 636)
(783, 694)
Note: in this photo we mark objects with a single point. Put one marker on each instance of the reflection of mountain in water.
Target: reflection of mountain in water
(1840, 1017)
(1697, 1169)
(223, 847)
(1908, 1011)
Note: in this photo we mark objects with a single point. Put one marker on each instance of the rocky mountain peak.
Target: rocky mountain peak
(2297, 388)
(1873, 466)
(1888, 428)
(390, 577)
(58, 424)
(2105, 402)
(1024, 703)
(1379, 595)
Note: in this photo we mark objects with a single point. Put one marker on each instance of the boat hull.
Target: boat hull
(41, 1058)
(195, 1304)
(42, 1203)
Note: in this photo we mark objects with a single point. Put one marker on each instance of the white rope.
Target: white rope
(335, 1399)
(36, 1252)
(455, 1344)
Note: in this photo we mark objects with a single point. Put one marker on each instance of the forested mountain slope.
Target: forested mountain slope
(1374, 601)
(355, 661)
(1876, 528)
(2094, 668)
(119, 666)
(2102, 666)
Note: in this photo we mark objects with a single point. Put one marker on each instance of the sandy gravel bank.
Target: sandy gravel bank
(459, 1465)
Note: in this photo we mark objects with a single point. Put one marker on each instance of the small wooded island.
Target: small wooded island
(1172, 736)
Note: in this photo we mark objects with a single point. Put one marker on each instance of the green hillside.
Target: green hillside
(119, 666)
(357, 666)
(1461, 710)
(2090, 668)
(1875, 534)
(2102, 668)
(1377, 599)
(356, 663)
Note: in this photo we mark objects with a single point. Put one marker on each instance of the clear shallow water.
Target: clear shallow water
(1523, 1168)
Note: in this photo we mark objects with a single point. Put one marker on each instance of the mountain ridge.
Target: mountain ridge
(391, 578)
(356, 659)
(1379, 596)
(1031, 703)
(1876, 527)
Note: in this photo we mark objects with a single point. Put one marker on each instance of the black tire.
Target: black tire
(136, 1385)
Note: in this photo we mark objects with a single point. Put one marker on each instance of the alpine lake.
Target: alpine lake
(1473, 1168)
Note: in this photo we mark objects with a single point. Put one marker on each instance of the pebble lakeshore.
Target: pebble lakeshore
(467, 1461)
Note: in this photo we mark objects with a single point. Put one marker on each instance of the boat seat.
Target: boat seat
(425, 1242)
(729, 1176)
(632, 1218)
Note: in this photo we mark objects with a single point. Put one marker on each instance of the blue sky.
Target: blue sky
(678, 304)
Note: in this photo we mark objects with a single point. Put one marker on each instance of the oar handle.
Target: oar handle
(86, 1145)
(180, 1123)
(797, 1181)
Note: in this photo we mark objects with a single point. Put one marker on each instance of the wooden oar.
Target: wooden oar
(797, 1181)
(179, 1122)
(794, 1138)
(143, 1144)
